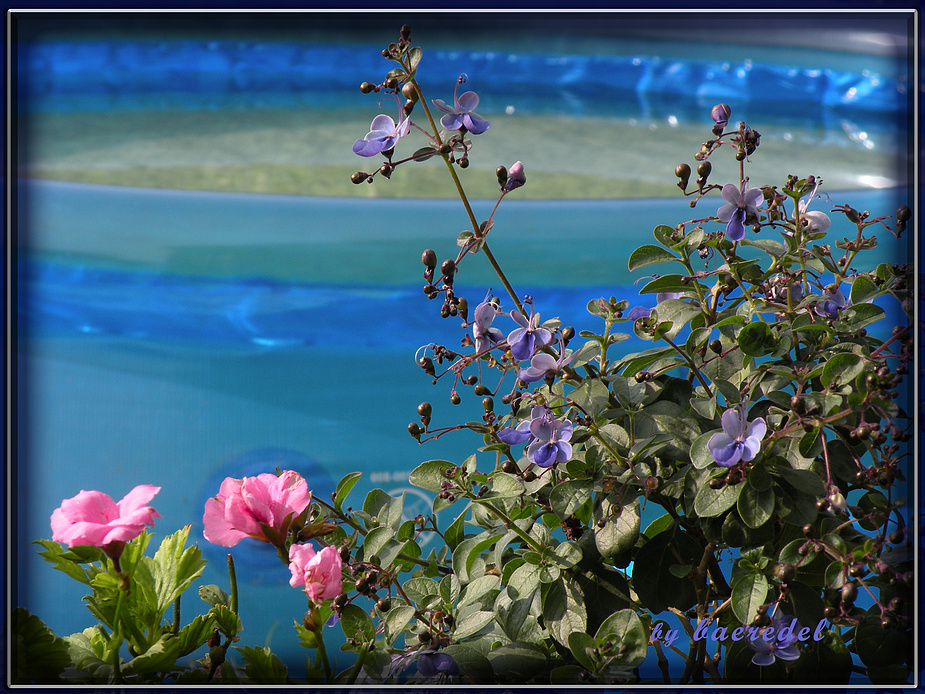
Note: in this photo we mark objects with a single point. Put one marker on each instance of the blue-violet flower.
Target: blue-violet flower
(738, 440)
(831, 305)
(462, 115)
(543, 365)
(551, 442)
(432, 663)
(525, 340)
(485, 335)
(383, 134)
(767, 650)
(739, 204)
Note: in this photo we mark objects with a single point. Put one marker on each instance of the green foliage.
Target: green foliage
(543, 576)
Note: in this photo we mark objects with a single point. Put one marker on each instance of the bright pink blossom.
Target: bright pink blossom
(319, 572)
(243, 505)
(93, 518)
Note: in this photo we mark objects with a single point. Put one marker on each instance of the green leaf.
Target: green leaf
(467, 552)
(477, 589)
(626, 627)
(214, 596)
(195, 634)
(343, 488)
(227, 621)
(563, 610)
(356, 624)
(568, 496)
(455, 532)
(843, 367)
(826, 661)
(863, 289)
(755, 339)
(591, 396)
(473, 665)
(175, 568)
(39, 656)
(806, 481)
(755, 506)
(581, 645)
(650, 255)
(517, 662)
(701, 456)
(748, 593)
(502, 485)
(862, 315)
(262, 666)
(710, 502)
(396, 620)
(811, 443)
(429, 475)
(877, 646)
(421, 591)
(618, 534)
(385, 508)
(470, 623)
(655, 585)
(160, 656)
(769, 246)
(375, 541)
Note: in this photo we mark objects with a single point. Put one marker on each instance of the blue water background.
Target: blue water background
(138, 366)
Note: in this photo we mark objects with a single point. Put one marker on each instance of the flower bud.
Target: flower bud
(704, 169)
(720, 114)
(488, 404)
(405, 32)
(425, 409)
(448, 267)
(429, 258)
(501, 173)
(515, 177)
(903, 214)
(359, 177)
(367, 87)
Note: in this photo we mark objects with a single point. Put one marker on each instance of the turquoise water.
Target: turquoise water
(173, 338)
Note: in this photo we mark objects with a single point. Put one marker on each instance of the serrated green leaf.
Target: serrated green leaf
(39, 656)
(262, 666)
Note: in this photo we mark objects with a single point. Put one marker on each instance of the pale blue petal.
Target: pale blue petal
(467, 103)
(735, 230)
(475, 124)
(763, 659)
(733, 424)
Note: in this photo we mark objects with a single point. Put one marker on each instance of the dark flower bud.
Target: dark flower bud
(384, 604)
(391, 83)
(362, 585)
(798, 404)
(405, 32)
(785, 572)
(683, 172)
(501, 173)
(488, 404)
(481, 389)
(720, 114)
(903, 214)
(462, 306)
(414, 430)
(454, 398)
(429, 258)
(716, 346)
(359, 177)
(367, 87)
(425, 409)
(849, 592)
(508, 467)
(448, 267)
(704, 169)
(427, 364)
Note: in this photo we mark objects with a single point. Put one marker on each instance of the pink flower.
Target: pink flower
(320, 572)
(93, 518)
(243, 508)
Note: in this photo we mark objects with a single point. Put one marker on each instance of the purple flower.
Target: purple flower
(543, 365)
(521, 433)
(643, 312)
(525, 340)
(432, 664)
(461, 114)
(515, 177)
(547, 438)
(781, 287)
(817, 221)
(383, 134)
(485, 335)
(831, 305)
(739, 204)
(550, 443)
(738, 440)
(767, 650)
